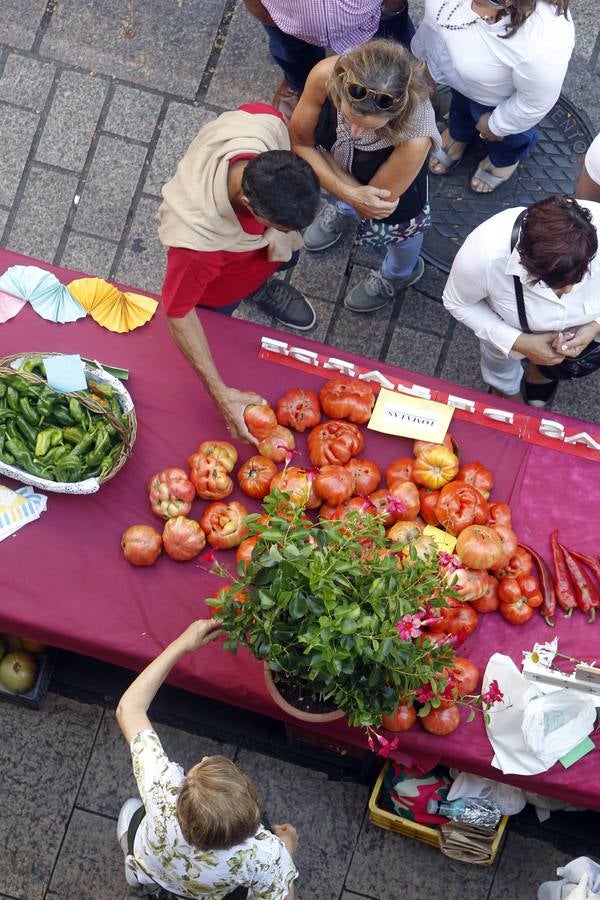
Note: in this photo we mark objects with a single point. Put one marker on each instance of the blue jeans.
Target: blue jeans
(296, 58)
(231, 308)
(464, 114)
(401, 258)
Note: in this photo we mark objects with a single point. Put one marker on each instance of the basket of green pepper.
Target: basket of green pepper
(64, 442)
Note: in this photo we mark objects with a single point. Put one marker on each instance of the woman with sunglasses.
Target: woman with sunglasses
(505, 62)
(365, 124)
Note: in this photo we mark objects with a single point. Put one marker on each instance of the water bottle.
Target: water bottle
(469, 810)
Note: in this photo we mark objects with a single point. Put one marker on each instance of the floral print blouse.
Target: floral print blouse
(163, 856)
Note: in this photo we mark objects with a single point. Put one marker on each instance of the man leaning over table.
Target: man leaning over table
(230, 218)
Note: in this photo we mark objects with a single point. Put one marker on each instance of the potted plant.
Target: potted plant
(336, 612)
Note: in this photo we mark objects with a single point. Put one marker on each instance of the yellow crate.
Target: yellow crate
(391, 822)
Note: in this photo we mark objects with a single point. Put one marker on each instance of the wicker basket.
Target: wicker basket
(126, 429)
(391, 822)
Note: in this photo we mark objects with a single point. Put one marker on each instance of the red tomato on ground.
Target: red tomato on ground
(499, 514)
(255, 476)
(441, 721)
(479, 547)
(477, 475)
(209, 477)
(333, 484)
(466, 674)
(365, 476)
(277, 444)
(460, 505)
(399, 470)
(347, 398)
(334, 442)
(298, 409)
(428, 501)
(401, 720)
(488, 602)
(183, 539)
(141, 545)
(260, 419)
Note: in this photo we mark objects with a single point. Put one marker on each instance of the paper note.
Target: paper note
(443, 540)
(65, 373)
(411, 417)
(582, 749)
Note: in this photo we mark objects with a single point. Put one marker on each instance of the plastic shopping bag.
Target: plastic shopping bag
(555, 723)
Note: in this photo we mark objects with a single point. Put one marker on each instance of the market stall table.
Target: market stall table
(64, 580)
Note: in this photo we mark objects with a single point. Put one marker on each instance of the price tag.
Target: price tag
(411, 417)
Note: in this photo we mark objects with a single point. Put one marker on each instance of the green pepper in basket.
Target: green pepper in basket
(12, 399)
(101, 448)
(35, 364)
(75, 410)
(109, 459)
(28, 412)
(87, 441)
(60, 415)
(27, 431)
(73, 434)
(23, 458)
(6, 414)
(46, 439)
(3, 388)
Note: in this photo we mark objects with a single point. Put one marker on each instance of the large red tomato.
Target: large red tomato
(407, 494)
(183, 538)
(141, 545)
(517, 613)
(460, 505)
(209, 477)
(277, 444)
(460, 620)
(469, 584)
(260, 419)
(477, 475)
(346, 398)
(334, 442)
(479, 547)
(404, 532)
(499, 514)
(224, 524)
(402, 719)
(488, 602)
(333, 484)
(435, 467)
(520, 563)
(298, 409)
(171, 493)
(245, 549)
(221, 450)
(399, 470)
(365, 476)
(428, 502)
(509, 543)
(466, 675)
(299, 485)
(441, 721)
(255, 476)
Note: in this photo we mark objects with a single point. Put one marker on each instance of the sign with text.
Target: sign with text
(411, 417)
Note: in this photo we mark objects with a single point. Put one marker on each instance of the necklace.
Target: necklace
(447, 24)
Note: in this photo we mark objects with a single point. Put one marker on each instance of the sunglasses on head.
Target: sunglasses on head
(381, 99)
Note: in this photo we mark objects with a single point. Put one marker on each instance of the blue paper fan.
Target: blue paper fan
(49, 298)
(58, 305)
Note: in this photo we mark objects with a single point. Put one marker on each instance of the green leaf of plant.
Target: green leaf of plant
(471, 715)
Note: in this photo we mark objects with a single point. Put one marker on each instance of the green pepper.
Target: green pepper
(97, 454)
(105, 391)
(18, 384)
(60, 415)
(3, 388)
(28, 412)
(28, 432)
(46, 403)
(73, 434)
(7, 457)
(55, 454)
(47, 438)
(33, 364)
(109, 459)
(12, 398)
(23, 457)
(87, 441)
(7, 414)
(75, 410)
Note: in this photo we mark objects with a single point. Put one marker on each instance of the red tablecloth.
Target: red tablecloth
(63, 579)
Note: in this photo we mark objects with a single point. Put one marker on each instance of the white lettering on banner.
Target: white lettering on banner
(274, 346)
(461, 403)
(499, 415)
(377, 377)
(550, 428)
(415, 390)
(305, 356)
(341, 365)
(582, 438)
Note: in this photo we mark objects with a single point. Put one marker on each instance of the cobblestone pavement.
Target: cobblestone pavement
(98, 101)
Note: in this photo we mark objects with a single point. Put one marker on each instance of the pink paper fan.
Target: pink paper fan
(9, 306)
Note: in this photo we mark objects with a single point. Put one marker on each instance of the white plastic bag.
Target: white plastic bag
(509, 799)
(555, 723)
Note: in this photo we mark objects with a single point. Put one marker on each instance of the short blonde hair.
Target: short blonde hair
(217, 806)
(385, 66)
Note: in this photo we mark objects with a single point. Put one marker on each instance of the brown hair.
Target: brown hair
(385, 66)
(217, 806)
(520, 10)
(558, 241)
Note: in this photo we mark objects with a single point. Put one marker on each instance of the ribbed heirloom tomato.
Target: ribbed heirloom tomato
(365, 475)
(477, 475)
(399, 470)
(345, 398)
(435, 467)
(255, 476)
(479, 547)
(460, 505)
(183, 539)
(333, 484)
(209, 477)
(298, 409)
(299, 484)
(224, 524)
(221, 450)
(499, 514)
(334, 442)
(277, 444)
(171, 493)
(260, 419)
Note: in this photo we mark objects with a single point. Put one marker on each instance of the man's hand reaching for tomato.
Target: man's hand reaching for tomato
(231, 404)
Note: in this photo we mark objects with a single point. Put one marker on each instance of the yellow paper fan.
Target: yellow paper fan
(110, 307)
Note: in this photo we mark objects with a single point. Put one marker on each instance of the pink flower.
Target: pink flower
(493, 694)
(409, 627)
(393, 505)
(209, 558)
(385, 747)
(448, 562)
(424, 693)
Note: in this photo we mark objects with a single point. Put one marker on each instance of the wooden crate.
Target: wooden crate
(428, 835)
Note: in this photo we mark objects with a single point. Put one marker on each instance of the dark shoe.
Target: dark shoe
(376, 290)
(282, 301)
(326, 229)
(540, 395)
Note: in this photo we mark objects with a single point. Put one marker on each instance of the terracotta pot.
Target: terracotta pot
(291, 710)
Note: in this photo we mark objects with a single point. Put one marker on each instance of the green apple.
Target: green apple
(18, 671)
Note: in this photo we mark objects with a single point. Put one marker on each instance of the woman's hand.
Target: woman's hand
(200, 633)
(370, 202)
(484, 130)
(539, 348)
(572, 342)
(232, 404)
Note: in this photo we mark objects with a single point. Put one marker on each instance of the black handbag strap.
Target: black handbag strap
(514, 237)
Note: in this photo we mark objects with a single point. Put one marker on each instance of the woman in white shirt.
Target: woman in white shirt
(588, 186)
(556, 264)
(505, 62)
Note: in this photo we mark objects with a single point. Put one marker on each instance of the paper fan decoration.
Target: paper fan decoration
(110, 307)
(9, 306)
(49, 298)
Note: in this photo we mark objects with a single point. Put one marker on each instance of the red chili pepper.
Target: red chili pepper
(548, 608)
(594, 566)
(564, 591)
(583, 590)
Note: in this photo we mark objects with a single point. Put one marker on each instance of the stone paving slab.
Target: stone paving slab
(20, 21)
(133, 113)
(161, 44)
(89, 254)
(39, 223)
(143, 261)
(414, 350)
(181, 124)
(72, 120)
(42, 760)
(26, 81)
(17, 128)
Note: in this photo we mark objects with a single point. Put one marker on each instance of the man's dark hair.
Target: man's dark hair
(281, 187)
(558, 241)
